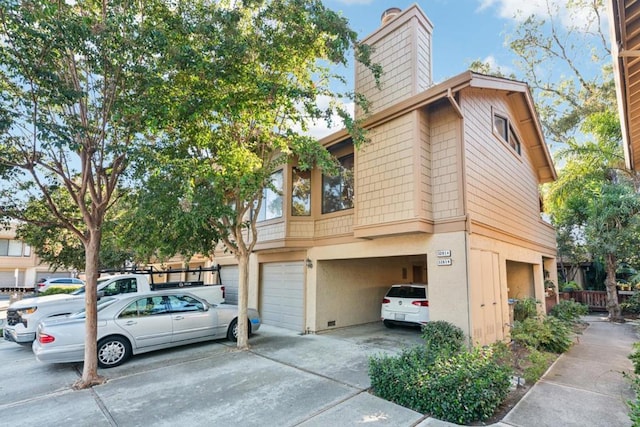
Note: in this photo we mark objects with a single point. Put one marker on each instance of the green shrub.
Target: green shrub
(392, 376)
(443, 337)
(569, 311)
(570, 287)
(634, 405)
(632, 305)
(635, 358)
(467, 387)
(526, 308)
(550, 334)
(537, 364)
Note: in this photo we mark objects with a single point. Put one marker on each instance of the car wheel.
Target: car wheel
(113, 351)
(232, 333)
(389, 324)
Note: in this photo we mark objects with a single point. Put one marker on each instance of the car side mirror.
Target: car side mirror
(100, 294)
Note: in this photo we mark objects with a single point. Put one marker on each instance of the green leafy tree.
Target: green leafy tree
(77, 83)
(565, 58)
(595, 197)
(247, 89)
(59, 247)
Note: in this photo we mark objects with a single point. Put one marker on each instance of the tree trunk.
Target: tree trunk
(90, 375)
(243, 300)
(613, 307)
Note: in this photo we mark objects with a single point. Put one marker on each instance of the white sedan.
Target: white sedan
(138, 324)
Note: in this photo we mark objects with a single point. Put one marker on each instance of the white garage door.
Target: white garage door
(282, 295)
(8, 279)
(229, 279)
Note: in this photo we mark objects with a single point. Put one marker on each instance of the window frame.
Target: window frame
(295, 175)
(343, 187)
(508, 135)
(267, 192)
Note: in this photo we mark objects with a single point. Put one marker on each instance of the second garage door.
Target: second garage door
(282, 295)
(229, 279)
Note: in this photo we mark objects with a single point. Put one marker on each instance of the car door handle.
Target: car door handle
(131, 322)
(178, 318)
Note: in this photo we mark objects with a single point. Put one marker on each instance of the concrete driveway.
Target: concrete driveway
(285, 379)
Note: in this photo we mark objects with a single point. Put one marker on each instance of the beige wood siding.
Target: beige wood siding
(394, 53)
(445, 149)
(301, 229)
(424, 166)
(335, 225)
(385, 174)
(403, 49)
(502, 186)
(269, 230)
(423, 48)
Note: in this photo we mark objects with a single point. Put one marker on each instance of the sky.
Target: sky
(464, 30)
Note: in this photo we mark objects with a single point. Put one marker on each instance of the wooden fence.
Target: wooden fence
(597, 300)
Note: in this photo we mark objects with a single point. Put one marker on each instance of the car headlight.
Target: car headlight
(27, 310)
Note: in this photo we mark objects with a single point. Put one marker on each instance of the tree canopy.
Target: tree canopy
(76, 84)
(242, 97)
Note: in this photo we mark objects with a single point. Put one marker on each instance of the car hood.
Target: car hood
(31, 302)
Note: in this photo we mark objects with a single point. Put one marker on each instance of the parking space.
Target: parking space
(285, 378)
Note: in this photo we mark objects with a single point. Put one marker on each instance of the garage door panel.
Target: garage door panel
(282, 295)
(229, 279)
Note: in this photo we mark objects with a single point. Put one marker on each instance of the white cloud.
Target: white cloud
(518, 10)
(493, 63)
(350, 2)
(321, 128)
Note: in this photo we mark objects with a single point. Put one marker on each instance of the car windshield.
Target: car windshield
(407, 292)
(80, 291)
(102, 304)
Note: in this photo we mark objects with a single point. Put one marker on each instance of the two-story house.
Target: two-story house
(446, 193)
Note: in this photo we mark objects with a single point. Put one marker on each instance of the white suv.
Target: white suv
(406, 304)
(59, 282)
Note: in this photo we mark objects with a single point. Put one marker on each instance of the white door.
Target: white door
(229, 279)
(282, 295)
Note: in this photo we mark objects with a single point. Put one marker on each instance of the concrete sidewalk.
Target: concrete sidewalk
(586, 385)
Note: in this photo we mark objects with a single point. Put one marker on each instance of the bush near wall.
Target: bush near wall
(441, 378)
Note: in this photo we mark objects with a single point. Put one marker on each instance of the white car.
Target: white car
(405, 304)
(137, 323)
(59, 282)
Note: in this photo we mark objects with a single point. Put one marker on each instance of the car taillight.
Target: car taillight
(386, 300)
(421, 303)
(45, 339)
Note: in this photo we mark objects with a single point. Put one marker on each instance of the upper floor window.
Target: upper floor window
(338, 191)
(504, 130)
(300, 193)
(272, 199)
(10, 247)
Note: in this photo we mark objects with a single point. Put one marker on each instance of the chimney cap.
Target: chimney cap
(389, 14)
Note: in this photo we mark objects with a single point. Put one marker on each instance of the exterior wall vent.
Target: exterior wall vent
(389, 14)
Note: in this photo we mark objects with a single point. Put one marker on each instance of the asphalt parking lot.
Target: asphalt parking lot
(286, 379)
